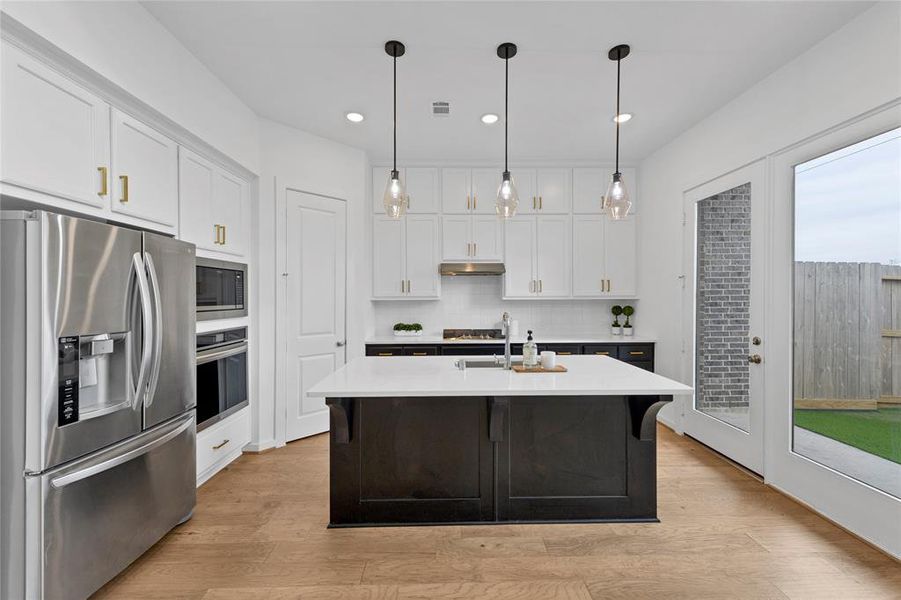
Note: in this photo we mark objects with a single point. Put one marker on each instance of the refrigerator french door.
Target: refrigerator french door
(97, 393)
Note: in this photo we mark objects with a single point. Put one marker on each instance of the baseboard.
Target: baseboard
(259, 447)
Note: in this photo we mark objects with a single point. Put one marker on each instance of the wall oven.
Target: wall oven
(221, 289)
(221, 375)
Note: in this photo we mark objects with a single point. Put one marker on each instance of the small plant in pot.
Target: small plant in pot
(616, 328)
(407, 329)
(627, 326)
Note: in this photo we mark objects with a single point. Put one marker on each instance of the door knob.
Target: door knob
(755, 340)
(340, 343)
(755, 358)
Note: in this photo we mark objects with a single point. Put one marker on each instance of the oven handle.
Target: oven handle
(206, 356)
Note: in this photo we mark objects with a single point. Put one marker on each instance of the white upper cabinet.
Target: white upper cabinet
(604, 257)
(456, 238)
(472, 238)
(485, 183)
(54, 135)
(519, 257)
(423, 189)
(423, 257)
(554, 188)
(214, 206)
(456, 192)
(487, 238)
(590, 185)
(144, 172)
(552, 256)
(524, 180)
(405, 256)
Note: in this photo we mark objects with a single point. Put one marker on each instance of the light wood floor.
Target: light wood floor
(259, 534)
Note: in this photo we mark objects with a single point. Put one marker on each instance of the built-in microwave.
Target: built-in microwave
(221, 289)
(221, 375)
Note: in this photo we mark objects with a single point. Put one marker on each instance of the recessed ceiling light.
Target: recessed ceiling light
(489, 118)
(354, 117)
(622, 117)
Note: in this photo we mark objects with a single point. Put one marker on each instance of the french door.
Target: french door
(725, 346)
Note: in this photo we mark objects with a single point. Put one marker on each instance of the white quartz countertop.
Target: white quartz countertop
(437, 376)
(519, 339)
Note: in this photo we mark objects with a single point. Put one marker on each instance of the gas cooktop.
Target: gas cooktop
(473, 334)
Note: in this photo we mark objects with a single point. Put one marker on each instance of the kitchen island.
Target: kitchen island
(419, 441)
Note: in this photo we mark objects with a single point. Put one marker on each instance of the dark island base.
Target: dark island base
(478, 460)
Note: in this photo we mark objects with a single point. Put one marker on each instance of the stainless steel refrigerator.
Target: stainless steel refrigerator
(97, 396)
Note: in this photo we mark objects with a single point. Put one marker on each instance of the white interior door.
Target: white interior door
(725, 237)
(315, 302)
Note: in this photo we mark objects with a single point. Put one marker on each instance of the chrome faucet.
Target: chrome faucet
(507, 326)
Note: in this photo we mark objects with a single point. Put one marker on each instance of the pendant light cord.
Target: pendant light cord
(618, 60)
(395, 112)
(506, 106)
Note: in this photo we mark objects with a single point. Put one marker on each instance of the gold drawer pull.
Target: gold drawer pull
(217, 446)
(603, 353)
(564, 353)
(104, 189)
(420, 354)
(124, 180)
(636, 353)
(386, 354)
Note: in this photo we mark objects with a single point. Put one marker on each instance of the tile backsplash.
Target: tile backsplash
(475, 302)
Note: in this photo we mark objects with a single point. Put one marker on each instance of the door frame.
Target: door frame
(864, 510)
(744, 447)
(281, 298)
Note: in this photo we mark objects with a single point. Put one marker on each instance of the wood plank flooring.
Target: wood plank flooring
(259, 534)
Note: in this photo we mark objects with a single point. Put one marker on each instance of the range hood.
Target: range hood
(472, 269)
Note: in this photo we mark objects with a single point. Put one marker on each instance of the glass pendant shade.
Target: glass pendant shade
(395, 197)
(507, 197)
(616, 201)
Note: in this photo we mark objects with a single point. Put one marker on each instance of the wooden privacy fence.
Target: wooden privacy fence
(847, 335)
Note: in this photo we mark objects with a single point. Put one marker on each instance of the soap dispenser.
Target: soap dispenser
(530, 352)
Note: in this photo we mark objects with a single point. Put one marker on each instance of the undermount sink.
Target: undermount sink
(494, 363)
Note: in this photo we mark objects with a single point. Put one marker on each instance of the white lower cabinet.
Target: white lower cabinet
(604, 257)
(471, 239)
(405, 255)
(221, 443)
(537, 254)
(214, 211)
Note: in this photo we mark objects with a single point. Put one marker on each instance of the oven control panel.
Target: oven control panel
(67, 400)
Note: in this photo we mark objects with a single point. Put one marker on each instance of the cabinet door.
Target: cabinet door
(524, 180)
(553, 250)
(554, 187)
(484, 190)
(456, 238)
(387, 257)
(195, 201)
(456, 193)
(54, 135)
(621, 260)
(422, 189)
(487, 238)
(589, 186)
(423, 256)
(519, 255)
(145, 172)
(588, 256)
(230, 203)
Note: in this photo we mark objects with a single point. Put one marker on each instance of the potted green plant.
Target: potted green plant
(627, 326)
(616, 328)
(407, 329)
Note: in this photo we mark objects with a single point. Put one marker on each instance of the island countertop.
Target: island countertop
(438, 376)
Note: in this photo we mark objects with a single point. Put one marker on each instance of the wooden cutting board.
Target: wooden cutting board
(539, 369)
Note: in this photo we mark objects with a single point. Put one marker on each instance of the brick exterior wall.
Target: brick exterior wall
(723, 301)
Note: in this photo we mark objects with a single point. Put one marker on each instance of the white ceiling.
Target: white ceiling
(306, 64)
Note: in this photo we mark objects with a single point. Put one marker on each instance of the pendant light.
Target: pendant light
(616, 201)
(395, 197)
(507, 196)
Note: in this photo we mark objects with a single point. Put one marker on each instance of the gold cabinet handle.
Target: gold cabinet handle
(408, 201)
(633, 353)
(408, 286)
(124, 180)
(540, 285)
(403, 286)
(475, 201)
(534, 203)
(420, 354)
(608, 285)
(467, 201)
(602, 353)
(564, 353)
(475, 249)
(221, 444)
(540, 203)
(218, 233)
(386, 354)
(224, 231)
(104, 186)
(467, 249)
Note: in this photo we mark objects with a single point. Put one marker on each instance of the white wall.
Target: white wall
(852, 71)
(127, 45)
(318, 166)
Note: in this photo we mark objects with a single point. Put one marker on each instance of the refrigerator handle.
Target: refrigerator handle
(157, 330)
(110, 463)
(147, 321)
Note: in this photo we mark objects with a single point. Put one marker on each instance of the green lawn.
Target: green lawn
(875, 431)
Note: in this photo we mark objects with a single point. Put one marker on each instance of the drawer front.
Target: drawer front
(420, 350)
(561, 349)
(647, 365)
(636, 352)
(222, 440)
(472, 350)
(384, 351)
(611, 350)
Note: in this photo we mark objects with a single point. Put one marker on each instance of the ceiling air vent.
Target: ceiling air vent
(440, 109)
